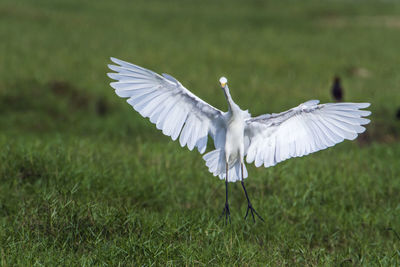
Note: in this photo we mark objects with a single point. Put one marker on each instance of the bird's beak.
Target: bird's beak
(223, 85)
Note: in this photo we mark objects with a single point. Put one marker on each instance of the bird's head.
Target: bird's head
(223, 82)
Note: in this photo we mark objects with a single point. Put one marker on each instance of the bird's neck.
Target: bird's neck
(233, 108)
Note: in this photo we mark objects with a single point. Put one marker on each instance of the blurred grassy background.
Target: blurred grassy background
(85, 180)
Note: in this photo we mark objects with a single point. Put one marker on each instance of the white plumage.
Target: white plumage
(302, 130)
(265, 140)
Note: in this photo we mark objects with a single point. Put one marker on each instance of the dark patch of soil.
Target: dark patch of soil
(75, 96)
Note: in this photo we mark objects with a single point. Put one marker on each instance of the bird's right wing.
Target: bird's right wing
(169, 105)
(310, 127)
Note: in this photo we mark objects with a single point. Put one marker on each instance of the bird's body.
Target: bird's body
(234, 148)
(234, 138)
(265, 140)
(337, 90)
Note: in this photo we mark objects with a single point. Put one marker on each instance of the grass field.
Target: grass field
(84, 180)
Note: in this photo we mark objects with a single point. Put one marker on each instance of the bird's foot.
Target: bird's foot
(226, 212)
(252, 211)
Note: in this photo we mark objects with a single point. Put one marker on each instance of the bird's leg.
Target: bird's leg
(249, 206)
(226, 208)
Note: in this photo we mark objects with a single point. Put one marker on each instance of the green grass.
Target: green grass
(84, 180)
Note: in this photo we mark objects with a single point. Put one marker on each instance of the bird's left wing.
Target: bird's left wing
(169, 105)
(310, 127)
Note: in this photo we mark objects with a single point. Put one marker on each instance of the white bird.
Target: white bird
(265, 140)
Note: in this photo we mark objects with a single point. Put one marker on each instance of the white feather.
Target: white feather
(266, 140)
(302, 130)
(163, 99)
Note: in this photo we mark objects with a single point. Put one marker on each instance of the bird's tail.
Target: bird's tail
(215, 161)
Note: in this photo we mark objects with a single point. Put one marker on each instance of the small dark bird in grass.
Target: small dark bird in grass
(337, 90)
(398, 114)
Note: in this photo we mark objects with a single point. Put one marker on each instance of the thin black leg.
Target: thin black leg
(249, 206)
(226, 208)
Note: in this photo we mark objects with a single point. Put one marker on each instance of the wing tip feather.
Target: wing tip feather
(115, 60)
(110, 75)
(365, 105)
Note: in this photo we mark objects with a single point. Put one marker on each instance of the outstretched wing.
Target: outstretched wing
(305, 129)
(169, 105)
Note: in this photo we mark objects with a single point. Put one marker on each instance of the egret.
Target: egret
(265, 140)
